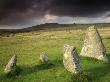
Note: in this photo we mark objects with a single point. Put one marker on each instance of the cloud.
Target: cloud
(24, 12)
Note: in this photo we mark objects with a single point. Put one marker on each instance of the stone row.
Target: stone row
(92, 47)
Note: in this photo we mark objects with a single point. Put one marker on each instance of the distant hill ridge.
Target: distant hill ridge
(52, 26)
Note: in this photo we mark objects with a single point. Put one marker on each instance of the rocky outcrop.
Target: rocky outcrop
(71, 60)
(93, 45)
(43, 57)
(11, 64)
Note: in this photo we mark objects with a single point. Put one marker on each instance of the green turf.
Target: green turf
(28, 46)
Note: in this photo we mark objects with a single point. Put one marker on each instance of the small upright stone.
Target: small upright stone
(71, 60)
(93, 45)
(11, 64)
(43, 57)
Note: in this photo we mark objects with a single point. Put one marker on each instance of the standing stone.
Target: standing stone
(43, 57)
(11, 64)
(71, 60)
(93, 45)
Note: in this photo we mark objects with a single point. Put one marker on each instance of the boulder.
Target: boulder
(43, 57)
(93, 45)
(11, 64)
(71, 60)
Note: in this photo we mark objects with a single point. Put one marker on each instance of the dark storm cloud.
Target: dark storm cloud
(87, 8)
(21, 11)
(23, 6)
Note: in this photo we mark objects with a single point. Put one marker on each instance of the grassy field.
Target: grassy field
(28, 46)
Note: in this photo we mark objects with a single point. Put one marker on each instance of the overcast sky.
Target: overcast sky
(25, 13)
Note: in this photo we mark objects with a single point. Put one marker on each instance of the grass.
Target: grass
(28, 46)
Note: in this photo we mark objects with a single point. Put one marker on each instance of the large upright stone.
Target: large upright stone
(11, 64)
(43, 57)
(71, 60)
(93, 45)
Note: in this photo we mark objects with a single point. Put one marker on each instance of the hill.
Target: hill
(53, 26)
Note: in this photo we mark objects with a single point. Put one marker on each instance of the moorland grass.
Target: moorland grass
(28, 46)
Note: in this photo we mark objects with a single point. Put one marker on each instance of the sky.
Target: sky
(25, 13)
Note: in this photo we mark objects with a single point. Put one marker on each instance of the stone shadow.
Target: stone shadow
(100, 71)
(53, 64)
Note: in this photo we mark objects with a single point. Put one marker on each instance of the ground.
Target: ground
(28, 46)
